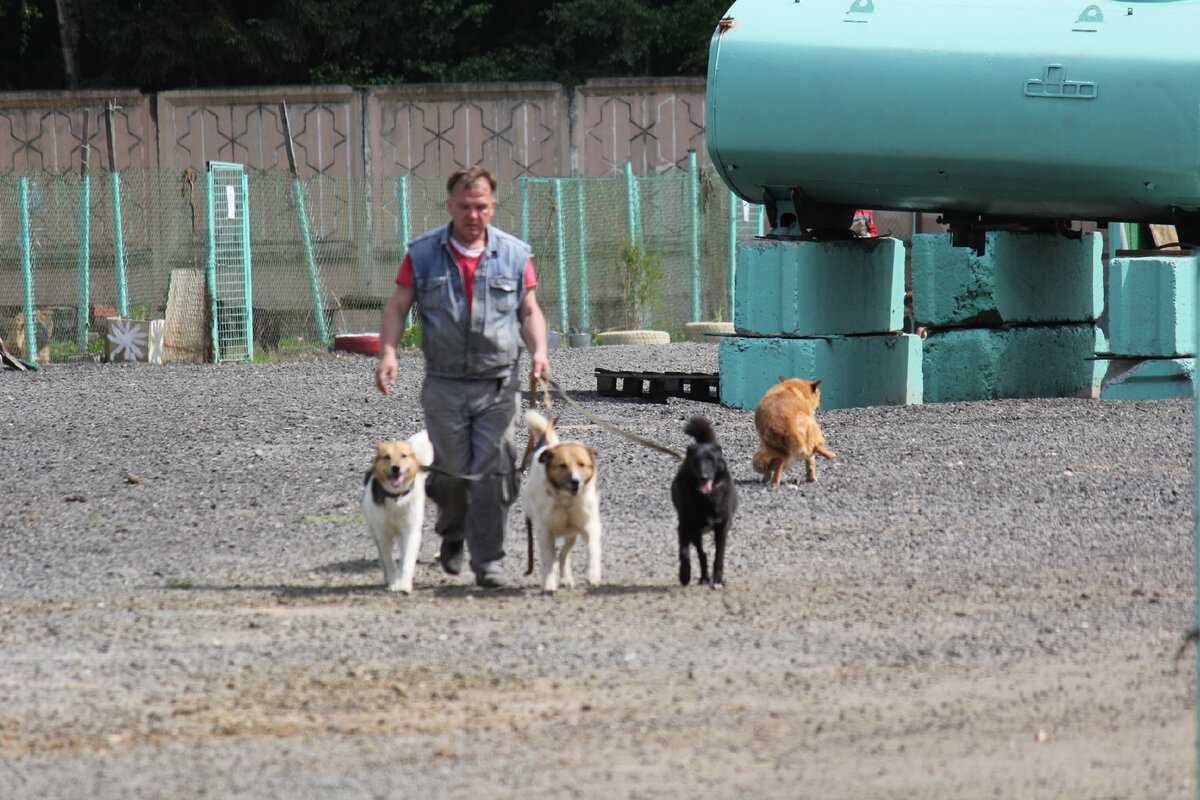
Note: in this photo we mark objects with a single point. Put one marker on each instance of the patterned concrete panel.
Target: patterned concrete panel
(514, 130)
(44, 130)
(244, 126)
(649, 122)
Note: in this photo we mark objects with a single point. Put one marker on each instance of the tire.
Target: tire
(635, 337)
(696, 331)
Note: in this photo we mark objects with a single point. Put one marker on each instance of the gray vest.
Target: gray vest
(485, 340)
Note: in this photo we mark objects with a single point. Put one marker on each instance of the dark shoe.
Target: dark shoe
(491, 580)
(451, 556)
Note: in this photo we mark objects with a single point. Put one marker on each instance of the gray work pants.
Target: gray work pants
(470, 424)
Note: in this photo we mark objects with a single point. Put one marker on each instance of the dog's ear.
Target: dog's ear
(782, 379)
(546, 457)
(816, 383)
(592, 450)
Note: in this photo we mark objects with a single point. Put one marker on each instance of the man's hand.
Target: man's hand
(391, 330)
(540, 364)
(388, 369)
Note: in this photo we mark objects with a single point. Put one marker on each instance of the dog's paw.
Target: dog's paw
(400, 588)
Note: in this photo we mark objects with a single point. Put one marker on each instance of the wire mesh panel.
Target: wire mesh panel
(617, 252)
(639, 251)
(229, 264)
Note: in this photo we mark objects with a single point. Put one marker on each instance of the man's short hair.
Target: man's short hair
(469, 175)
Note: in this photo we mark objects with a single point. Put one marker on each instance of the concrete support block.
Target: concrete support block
(987, 363)
(1022, 278)
(854, 371)
(1152, 305)
(1157, 379)
(788, 288)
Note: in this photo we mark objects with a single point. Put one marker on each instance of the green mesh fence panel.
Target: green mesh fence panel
(578, 228)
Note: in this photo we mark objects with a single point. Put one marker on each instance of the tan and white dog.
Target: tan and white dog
(561, 500)
(393, 505)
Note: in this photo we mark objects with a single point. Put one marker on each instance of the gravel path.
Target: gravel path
(977, 599)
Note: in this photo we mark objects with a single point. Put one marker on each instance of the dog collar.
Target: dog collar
(381, 495)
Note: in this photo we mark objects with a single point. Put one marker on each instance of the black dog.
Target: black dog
(705, 499)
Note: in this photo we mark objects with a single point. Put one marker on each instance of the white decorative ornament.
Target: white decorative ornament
(155, 349)
(129, 337)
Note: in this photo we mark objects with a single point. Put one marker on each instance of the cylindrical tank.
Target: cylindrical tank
(1048, 109)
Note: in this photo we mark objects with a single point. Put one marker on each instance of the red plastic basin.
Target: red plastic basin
(365, 343)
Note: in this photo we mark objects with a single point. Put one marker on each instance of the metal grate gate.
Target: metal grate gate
(229, 263)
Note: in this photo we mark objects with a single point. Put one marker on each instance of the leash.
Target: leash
(472, 476)
(548, 402)
(604, 424)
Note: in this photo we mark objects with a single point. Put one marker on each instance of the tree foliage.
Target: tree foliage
(167, 44)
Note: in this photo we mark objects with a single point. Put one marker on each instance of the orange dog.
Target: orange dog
(787, 428)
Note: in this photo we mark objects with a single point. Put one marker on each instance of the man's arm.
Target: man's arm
(533, 332)
(391, 330)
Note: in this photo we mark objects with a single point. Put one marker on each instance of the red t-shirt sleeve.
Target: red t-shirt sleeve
(530, 277)
(404, 276)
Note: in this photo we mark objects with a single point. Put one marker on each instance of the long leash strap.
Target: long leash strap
(472, 476)
(548, 402)
(608, 425)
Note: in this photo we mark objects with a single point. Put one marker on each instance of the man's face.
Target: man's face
(471, 208)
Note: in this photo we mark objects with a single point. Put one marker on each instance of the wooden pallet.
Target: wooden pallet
(658, 386)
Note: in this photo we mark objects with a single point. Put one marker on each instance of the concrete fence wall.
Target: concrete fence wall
(514, 129)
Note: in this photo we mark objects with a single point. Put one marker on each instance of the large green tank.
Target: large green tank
(998, 114)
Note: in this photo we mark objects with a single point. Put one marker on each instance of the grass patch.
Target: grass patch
(334, 518)
(179, 583)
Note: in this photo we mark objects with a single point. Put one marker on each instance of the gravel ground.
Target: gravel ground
(976, 600)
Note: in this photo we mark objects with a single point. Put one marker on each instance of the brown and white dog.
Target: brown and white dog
(787, 429)
(393, 505)
(560, 500)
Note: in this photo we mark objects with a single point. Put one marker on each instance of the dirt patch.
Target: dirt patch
(976, 600)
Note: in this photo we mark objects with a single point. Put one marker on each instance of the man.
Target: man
(473, 285)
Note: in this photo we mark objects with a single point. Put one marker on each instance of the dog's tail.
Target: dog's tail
(700, 430)
(422, 448)
(540, 427)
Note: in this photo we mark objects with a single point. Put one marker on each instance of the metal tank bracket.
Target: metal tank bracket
(860, 11)
(970, 230)
(1089, 21)
(806, 219)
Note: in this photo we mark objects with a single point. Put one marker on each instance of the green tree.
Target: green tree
(29, 53)
(631, 38)
(165, 44)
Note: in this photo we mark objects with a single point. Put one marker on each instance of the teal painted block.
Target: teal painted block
(1022, 278)
(1152, 305)
(854, 371)
(789, 288)
(1159, 379)
(988, 363)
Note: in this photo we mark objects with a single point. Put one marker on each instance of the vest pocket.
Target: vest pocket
(503, 294)
(431, 292)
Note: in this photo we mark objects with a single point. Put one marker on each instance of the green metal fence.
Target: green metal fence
(325, 251)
